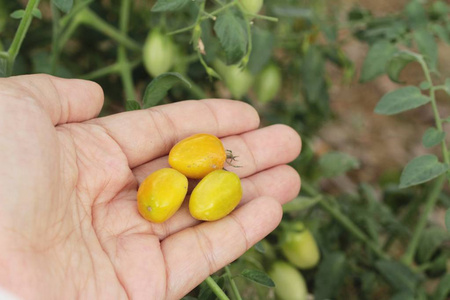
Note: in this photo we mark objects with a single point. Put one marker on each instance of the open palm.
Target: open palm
(69, 225)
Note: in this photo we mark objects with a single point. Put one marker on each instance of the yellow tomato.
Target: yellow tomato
(215, 196)
(198, 155)
(161, 194)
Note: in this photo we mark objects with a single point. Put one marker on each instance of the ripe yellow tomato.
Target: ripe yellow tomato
(215, 196)
(161, 194)
(198, 155)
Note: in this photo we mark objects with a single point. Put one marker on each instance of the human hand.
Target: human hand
(69, 225)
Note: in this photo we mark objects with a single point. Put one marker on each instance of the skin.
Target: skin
(69, 225)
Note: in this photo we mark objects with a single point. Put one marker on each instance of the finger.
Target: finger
(193, 254)
(257, 150)
(262, 149)
(64, 100)
(148, 134)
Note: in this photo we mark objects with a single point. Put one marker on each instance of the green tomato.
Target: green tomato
(289, 282)
(300, 247)
(268, 83)
(238, 81)
(252, 6)
(158, 53)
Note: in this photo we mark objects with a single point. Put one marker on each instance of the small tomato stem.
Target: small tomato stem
(234, 288)
(20, 35)
(216, 289)
(437, 117)
(345, 221)
(88, 17)
(430, 203)
(125, 69)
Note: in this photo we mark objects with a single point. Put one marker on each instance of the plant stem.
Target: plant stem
(111, 69)
(216, 289)
(234, 288)
(55, 36)
(437, 117)
(430, 203)
(345, 222)
(20, 35)
(88, 17)
(125, 70)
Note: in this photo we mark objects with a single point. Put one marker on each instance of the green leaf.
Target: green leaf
(375, 62)
(425, 85)
(399, 61)
(259, 247)
(330, 276)
(432, 137)
(432, 238)
(158, 88)
(399, 276)
(169, 5)
(416, 14)
(64, 5)
(441, 32)
(336, 163)
(231, 30)
(427, 46)
(401, 100)
(300, 203)
(18, 14)
(421, 169)
(447, 86)
(132, 105)
(258, 277)
(447, 219)
(442, 291)
(263, 42)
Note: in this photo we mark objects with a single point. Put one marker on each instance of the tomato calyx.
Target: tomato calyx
(231, 158)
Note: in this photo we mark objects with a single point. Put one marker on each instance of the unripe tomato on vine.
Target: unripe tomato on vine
(237, 80)
(252, 6)
(158, 53)
(300, 247)
(268, 83)
(289, 282)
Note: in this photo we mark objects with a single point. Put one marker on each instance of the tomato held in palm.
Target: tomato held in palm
(300, 247)
(161, 194)
(198, 155)
(289, 282)
(215, 196)
(158, 53)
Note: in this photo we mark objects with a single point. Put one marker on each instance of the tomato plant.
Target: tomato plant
(215, 196)
(198, 155)
(161, 194)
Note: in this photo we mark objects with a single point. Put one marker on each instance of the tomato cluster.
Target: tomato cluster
(201, 156)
